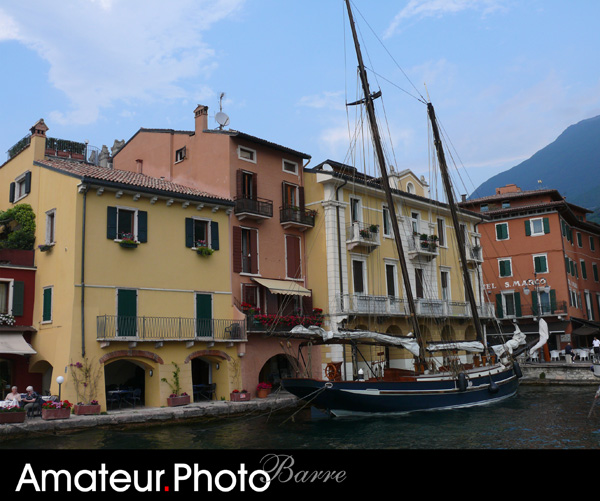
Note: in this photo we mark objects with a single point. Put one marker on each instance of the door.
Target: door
(126, 312)
(204, 315)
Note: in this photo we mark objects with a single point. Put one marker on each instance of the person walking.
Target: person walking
(596, 346)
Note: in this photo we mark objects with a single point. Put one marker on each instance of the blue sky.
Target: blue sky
(506, 76)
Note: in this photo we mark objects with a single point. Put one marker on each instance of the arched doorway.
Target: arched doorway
(277, 367)
(124, 376)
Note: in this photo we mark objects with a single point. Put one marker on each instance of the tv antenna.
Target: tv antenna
(221, 118)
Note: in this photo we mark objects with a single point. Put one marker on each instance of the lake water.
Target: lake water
(538, 417)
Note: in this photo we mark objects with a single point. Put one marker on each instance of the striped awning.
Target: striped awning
(15, 344)
(283, 287)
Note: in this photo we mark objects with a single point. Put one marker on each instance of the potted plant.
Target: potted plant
(263, 390)
(7, 319)
(12, 415)
(374, 228)
(128, 240)
(364, 233)
(176, 397)
(56, 410)
(239, 396)
(45, 247)
(204, 251)
(86, 377)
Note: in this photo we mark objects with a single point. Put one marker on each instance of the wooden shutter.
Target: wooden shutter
(254, 186)
(307, 304)
(546, 225)
(552, 300)
(534, 302)
(214, 235)
(111, 222)
(517, 304)
(253, 251)
(142, 235)
(18, 300)
(236, 246)
(499, 312)
(527, 228)
(189, 232)
(11, 196)
(27, 182)
(292, 246)
(238, 182)
(301, 197)
(47, 305)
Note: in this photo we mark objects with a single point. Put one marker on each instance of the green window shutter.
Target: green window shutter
(507, 268)
(111, 222)
(567, 264)
(189, 232)
(595, 270)
(214, 235)
(499, 312)
(47, 305)
(18, 302)
(11, 196)
(546, 225)
(27, 182)
(527, 228)
(534, 302)
(592, 244)
(502, 273)
(517, 304)
(537, 265)
(552, 300)
(142, 234)
(579, 240)
(583, 270)
(502, 231)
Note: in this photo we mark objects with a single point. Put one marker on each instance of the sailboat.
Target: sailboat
(427, 387)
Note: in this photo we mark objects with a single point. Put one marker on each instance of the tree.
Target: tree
(17, 228)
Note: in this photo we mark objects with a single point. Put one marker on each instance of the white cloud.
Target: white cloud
(118, 51)
(325, 100)
(439, 8)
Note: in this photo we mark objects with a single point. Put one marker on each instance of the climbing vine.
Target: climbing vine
(17, 228)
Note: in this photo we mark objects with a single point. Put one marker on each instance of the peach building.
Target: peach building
(541, 259)
(267, 224)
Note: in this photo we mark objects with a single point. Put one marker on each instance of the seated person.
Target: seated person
(30, 400)
(13, 398)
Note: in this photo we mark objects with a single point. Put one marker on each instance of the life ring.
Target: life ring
(331, 371)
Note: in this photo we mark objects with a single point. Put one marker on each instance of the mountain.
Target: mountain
(570, 164)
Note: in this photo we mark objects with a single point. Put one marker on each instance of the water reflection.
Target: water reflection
(537, 418)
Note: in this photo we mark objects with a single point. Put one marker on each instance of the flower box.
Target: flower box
(49, 414)
(177, 401)
(12, 417)
(239, 396)
(127, 244)
(86, 409)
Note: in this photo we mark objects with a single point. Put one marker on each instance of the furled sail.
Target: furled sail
(512, 344)
(471, 346)
(544, 334)
(410, 343)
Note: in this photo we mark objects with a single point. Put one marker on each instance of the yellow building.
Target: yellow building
(355, 271)
(133, 275)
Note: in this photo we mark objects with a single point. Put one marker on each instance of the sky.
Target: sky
(506, 77)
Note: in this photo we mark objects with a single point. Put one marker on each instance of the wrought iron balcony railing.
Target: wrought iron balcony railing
(295, 216)
(256, 208)
(115, 328)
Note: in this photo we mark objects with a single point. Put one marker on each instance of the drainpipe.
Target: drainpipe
(83, 189)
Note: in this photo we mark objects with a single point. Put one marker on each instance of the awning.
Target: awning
(14, 344)
(283, 287)
(585, 331)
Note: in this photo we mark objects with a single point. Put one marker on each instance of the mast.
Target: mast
(461, 243)
(386, 185)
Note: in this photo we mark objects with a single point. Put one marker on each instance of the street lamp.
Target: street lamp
(546, 289)
(60, 380)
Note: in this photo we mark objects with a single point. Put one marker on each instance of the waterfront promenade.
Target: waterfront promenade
(152, 416)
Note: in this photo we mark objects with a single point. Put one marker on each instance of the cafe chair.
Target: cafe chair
(555, 355)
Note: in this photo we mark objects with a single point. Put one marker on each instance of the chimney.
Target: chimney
(463, 198)
(201, 116)
(39, 129)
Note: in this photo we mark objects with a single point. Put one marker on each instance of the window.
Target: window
(250, 295)
(537, 226)
(505, 267)
(502, 231)
(445, 283)
(387, 225)
(508, 304)
(358, 277)
(484, 208)
(588, 305)
(20, 188)
(415, 216)
(595, 271)
(579, 240)
(583, 269)
(419, 292)
(201, 233)
(291, 167)
(355, 211)
(290, 195)
(540, 263)
(180, 154)
(293, 257)
(506, 204)
(47, 305)
(592, 245)
(245, 250)
(50, 226)
(4, 297)
(441, 228)
(247, 188)
(246, 154)
(410, 188)
(391, 278)
(124, 222)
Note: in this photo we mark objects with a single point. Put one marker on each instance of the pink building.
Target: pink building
(268, 270)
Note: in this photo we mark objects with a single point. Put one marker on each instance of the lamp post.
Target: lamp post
(537, 288)
(60, 380)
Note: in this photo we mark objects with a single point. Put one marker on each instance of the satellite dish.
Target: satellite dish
(327, 167)
(222, 119)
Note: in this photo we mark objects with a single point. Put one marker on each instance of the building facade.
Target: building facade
(355, 268)
(541, 259)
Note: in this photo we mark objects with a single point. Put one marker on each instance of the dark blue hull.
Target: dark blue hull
(428, 392)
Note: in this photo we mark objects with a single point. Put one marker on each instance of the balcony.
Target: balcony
(474, 255)
(112, 328)
(359, 304)
(255, 209)
(535, 310)
(363, 236)
(295, 217)
(423, 247)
